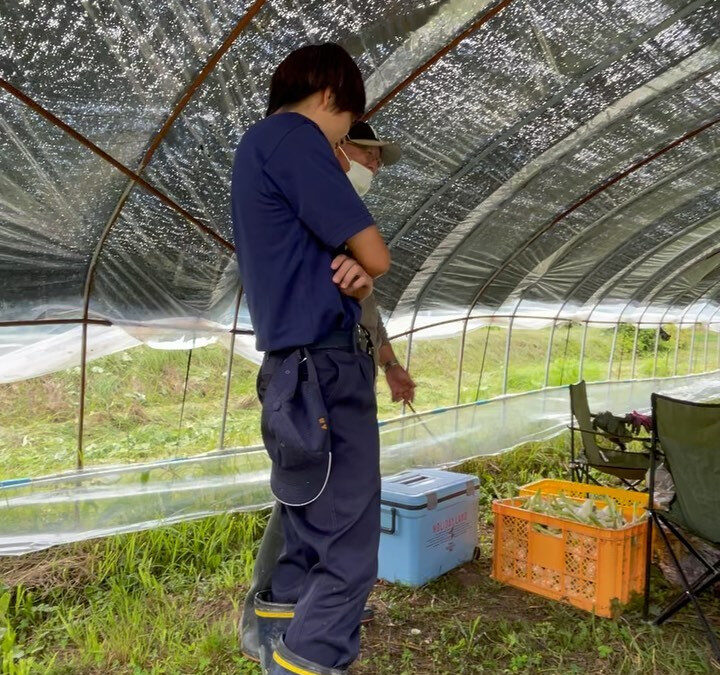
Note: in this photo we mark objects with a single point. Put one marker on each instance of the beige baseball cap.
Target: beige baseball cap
(361, 133)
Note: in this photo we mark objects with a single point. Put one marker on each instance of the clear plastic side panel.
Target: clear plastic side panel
(144, 404)
(110, 500)
(528, 354)
(430, 353)
(598, 342)
(565, 353)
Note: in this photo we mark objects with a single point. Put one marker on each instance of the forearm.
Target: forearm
(386, 354)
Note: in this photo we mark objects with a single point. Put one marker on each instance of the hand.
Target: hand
(402, 387)
(350, 278)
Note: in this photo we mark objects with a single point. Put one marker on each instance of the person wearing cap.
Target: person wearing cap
(361, 156)
(292, 209)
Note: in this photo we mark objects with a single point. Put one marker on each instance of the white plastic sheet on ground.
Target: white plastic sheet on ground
(36, 514)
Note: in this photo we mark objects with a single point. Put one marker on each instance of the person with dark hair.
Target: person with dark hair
(361, 155)
(293, 208)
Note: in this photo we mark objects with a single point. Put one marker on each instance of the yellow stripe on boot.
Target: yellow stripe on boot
(270, 614)
(290, 666)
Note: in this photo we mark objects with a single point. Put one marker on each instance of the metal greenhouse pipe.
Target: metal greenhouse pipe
(583, 342)
(479, 23)
(692, 349)
(657, 346)
(482, 364)
(612, 352)
(580, 202)
(554, 100)
(677, 346)
(231, 359)
(707, 340)
(461, 358)
(507, 356)
(83, 392)
(565, 351)
(407, 355)
(549, 352)
(653, 295)
(53, 119)
(634, 354)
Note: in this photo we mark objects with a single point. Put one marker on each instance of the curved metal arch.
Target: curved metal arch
(662, 286)
(158, 138)
(552, 101)
(97, 150)
(136, 178)
(696, 248)
(583, 200)
(682, 319)
(475, 26)
(671, 279)
(567, 212)
(630, 102)
(588, 232)
(629, 269)
(626, 271)
(640, 320)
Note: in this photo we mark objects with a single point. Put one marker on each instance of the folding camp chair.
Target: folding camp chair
(629, 467)
(689, 435)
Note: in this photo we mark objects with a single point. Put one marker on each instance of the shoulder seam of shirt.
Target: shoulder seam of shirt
(284, 136)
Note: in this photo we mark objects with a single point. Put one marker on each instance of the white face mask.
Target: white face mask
(360, 176)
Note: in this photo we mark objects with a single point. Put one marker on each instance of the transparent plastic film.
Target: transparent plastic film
(38, 513)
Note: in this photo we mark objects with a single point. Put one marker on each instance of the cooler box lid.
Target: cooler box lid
(426, 488)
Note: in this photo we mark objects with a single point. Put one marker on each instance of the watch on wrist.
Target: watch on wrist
(390, 364)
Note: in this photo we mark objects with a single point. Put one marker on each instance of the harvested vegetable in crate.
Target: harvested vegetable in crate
(599, 513)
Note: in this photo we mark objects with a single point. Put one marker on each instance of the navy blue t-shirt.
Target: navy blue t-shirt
(292, 207)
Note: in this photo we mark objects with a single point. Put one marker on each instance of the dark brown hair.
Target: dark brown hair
(314, 68)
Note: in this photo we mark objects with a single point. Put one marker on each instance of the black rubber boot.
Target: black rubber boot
(273, 619)
(284, 662)
(271, 547)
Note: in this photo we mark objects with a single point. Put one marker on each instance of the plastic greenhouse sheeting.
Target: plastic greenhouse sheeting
(560, 165)
(508, 137)
(40, 513)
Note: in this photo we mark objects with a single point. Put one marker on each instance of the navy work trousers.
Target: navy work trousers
(329, 562)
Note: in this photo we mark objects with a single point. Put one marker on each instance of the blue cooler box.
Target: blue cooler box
(429, 524)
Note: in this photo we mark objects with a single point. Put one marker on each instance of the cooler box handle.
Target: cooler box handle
(393, 523)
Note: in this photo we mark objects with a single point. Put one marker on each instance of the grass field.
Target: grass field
(134, 399)
(167, 601)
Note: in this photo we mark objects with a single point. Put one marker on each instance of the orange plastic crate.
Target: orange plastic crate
(592, 568)
(550, 486)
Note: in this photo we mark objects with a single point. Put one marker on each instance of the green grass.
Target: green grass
(168, 601)
(134, 399)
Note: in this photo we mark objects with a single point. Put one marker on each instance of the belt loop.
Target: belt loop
(356, 339)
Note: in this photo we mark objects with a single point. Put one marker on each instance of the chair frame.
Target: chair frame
(691, 591)
(580, 471)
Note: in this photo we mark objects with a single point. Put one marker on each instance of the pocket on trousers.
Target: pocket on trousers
(263, 379)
